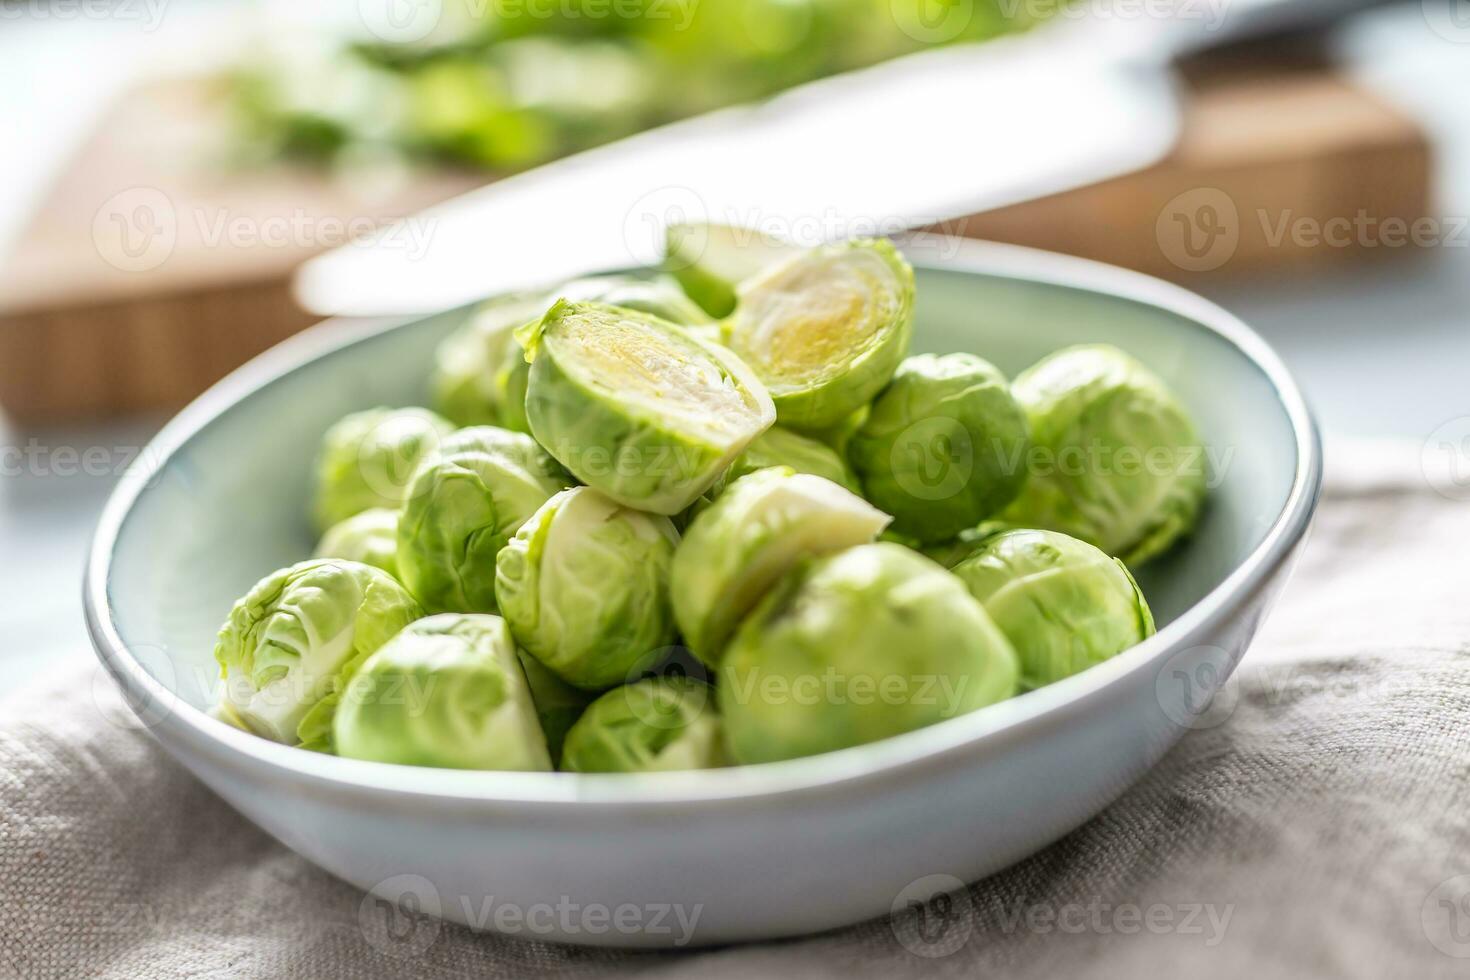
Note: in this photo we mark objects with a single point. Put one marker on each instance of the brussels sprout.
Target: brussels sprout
(654, 297)
(660, 724)
(510, 388)
(370, 537)
(1117, 462)
(636, 407)
(448, 692)
(944, 447)
(826, 329)
(368, 458)
(585, 587)
(782, 447)
(289, 639)
(870, 642)
(950, 553)
(558, 704)
(1062, 603)
(709, 261)
(463, 506)
(754, 533)
(468, 361)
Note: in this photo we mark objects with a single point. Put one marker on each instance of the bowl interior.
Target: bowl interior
(230, 503)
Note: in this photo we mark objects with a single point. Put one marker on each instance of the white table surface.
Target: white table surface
(1381, 350)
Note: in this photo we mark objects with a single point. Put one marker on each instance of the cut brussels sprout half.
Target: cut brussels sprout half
(1062, 603)
(468, 361)
(752, 535)
(826, 329)
(710, 260)
(463, 506)
(449, 692)
(661, 724)
(944, 446)
(290, 638)
(585, 587)
(370, 537)
(636, 407)
(368, 458)
(871, 642)
(1117, 462)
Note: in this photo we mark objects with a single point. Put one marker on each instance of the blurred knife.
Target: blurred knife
(909, 143)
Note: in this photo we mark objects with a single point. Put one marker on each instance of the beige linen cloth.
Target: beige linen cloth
(1321, 828)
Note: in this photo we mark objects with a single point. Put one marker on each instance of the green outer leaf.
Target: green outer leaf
(367, 459)
(871, 642)
(1087, 405)
(585, 587)
(761, 527)
(854, 372)
(447, 692)
(944, 447)
(656, 725)
(626, 451)
(1064, 604)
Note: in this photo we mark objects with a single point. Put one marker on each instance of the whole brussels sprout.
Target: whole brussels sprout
(370, 537)
(870, 642)
(752, 535)
(463, 506)
(368, 458)
(1063, 604)
(447, 692)
(288, 641)
(558, 704)
(944, 447)
(710, 260)
(1117, 460)
(782, 447)
(826, 329)
(661, 724)
(468, 361)
(636, 407)
(585, 587)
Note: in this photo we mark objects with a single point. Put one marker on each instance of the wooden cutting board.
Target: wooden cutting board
(155, 267)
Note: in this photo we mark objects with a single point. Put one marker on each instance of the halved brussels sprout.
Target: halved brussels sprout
(289, 639)
(447, 692)
(558, 704)
(1116, 462)
(826, 329)
(468, 361)
(463, 506)
(752, 535)
(944, 446)
(370, 537)
(661, 724)
(1062, 603)
(782, 447)
(710, 260)
(368, 458)
(636, 407)
(871, 642)
(585, 587)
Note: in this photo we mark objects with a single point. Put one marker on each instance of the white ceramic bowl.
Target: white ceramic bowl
(759, 852)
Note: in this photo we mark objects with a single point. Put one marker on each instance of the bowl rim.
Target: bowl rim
(914, 753)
